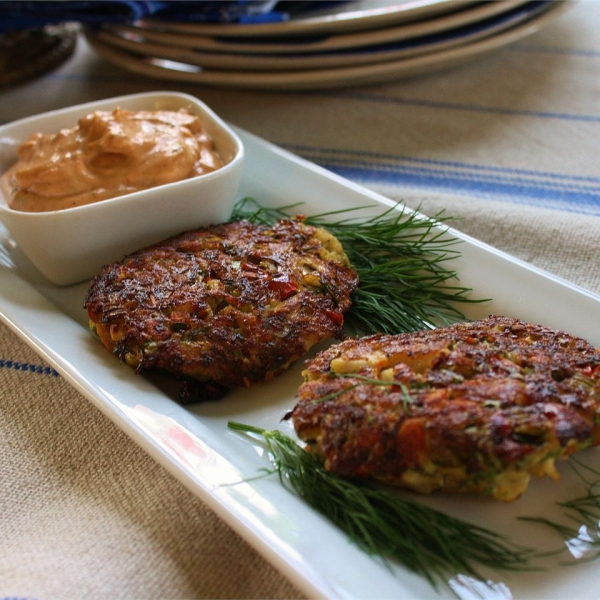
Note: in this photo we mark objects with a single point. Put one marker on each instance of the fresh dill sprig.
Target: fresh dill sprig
(400, 258)
(426, 541)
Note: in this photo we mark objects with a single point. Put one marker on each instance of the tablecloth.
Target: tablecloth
(507, 144)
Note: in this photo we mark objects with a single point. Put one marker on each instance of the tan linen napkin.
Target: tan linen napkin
(85, 513)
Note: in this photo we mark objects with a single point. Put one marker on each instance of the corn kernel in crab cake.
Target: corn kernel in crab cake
(224, 306)
(474, 407)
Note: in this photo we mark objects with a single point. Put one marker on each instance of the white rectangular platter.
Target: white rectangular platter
(194, 444)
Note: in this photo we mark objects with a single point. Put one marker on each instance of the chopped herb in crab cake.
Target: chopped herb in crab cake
(474, 407)
(224, 306)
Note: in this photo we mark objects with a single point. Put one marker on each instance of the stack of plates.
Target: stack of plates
(351, 43)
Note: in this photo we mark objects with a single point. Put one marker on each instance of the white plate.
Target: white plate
(194, 444)
(342, 58)
(346, 16)
(330, 77)
(314, 42)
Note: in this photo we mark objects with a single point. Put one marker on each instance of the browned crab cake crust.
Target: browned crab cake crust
(230, 304)
(474, 407)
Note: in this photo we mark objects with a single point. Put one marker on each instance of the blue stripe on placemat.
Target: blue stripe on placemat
(522, 186)
(425, 103)
(20, 366)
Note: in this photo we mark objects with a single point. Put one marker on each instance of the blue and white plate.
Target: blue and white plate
(312, 42)
(365, 66)
(332, 16)
(386, 47)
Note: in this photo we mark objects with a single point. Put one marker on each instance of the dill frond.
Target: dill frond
(426, 541)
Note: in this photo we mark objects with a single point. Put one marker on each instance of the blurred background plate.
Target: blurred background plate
(325, 78)
(315, 42)
(319, 60)
(25, 54)
(334, 17)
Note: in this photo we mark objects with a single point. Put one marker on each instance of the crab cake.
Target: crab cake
(224, 306)
(475, 407)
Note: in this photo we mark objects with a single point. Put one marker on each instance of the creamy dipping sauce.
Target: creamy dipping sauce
(108, 154)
